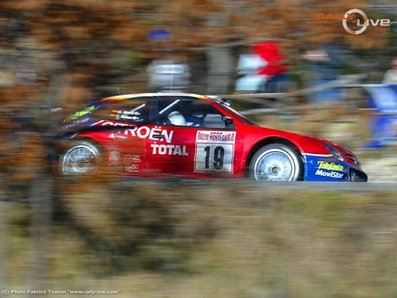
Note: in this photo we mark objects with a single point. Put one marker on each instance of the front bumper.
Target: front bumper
(327, 168)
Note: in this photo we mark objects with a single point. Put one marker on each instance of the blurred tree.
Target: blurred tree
(192, 22)
(74, 43)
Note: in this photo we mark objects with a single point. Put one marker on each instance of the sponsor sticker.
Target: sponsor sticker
(324, 165)
(83, 112)
(75, 123)
(331, 174)
(142, 132)
(128, 115)
(214, 151)
(160, 149)
(114, 156)
(215, 136)
(132, 163)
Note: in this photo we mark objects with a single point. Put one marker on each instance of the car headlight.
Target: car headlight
(334, 151)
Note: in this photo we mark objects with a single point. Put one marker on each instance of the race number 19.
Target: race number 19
(219, 155)
(214, 158)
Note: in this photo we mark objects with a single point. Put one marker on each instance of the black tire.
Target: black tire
(276, 162)
(80, 158)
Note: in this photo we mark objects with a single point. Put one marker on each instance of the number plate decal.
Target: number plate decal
(214, 151)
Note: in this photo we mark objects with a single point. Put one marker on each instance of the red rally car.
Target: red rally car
(195, 136)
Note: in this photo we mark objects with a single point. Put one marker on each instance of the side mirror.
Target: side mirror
(228, 120)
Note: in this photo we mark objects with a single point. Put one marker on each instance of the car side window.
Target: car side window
(190, 112)
(130, 110)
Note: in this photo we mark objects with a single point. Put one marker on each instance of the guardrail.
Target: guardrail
(261, 98)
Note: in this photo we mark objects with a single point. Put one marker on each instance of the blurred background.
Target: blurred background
(286, 64)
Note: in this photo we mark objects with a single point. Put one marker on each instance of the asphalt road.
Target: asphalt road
(365, 187)
(335, 186)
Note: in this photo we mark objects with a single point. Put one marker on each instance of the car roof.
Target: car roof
(158, 94)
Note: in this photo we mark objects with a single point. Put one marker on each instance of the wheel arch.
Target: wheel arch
(268, 141)
(76, 139)
(89, 140)
(64, 145)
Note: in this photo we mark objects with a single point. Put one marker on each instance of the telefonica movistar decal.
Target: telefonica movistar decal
(329, 166)
(355, 21)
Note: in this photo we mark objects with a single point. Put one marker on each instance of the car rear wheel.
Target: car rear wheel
(82, 157)
(276, 162)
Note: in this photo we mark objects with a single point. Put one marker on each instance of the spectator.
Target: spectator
(262, 70)
(275, 69)
(383, 122)
(324, 66)
(248, 78)
(165, 74)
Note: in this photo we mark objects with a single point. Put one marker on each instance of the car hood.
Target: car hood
(305, 144)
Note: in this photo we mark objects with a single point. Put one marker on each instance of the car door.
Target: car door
(122, 130)
(199, 142)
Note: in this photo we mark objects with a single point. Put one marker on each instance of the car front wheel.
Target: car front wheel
(276, 162)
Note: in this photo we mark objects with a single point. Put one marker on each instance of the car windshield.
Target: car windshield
(240, 116)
